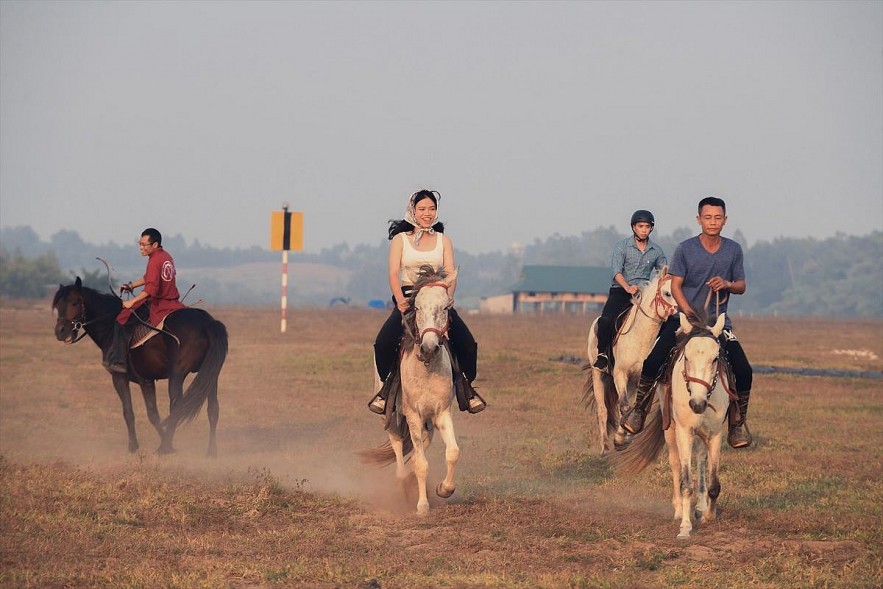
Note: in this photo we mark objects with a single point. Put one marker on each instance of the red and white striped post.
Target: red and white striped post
(283, 324)
(286, 232)
(284, 287)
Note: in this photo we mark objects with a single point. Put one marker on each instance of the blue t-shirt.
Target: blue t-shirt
(697, 266)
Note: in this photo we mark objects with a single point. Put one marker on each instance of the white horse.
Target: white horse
(426, 389)
(651, 305)
(700, 398)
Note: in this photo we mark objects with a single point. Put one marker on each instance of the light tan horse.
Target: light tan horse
(700, 397)
(426, 389)
(609, 397)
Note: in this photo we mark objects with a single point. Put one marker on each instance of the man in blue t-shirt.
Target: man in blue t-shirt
(707, 267)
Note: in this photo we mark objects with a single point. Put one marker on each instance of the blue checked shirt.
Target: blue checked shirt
(634, 265)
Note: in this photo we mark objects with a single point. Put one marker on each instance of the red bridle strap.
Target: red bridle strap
(441, 333)
(659, 301)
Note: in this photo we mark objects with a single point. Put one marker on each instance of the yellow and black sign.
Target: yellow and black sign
(286, 230)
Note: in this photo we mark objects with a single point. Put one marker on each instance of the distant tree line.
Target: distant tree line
(837, 276)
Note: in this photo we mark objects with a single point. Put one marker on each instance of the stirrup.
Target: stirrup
(377, 405)
(476, 404)
(739, 436)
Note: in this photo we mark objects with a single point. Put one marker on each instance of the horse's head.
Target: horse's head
(431, 303)
(701, 353)
(69, 307)
(656, 299)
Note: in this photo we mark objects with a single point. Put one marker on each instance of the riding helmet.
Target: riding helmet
(643, 216)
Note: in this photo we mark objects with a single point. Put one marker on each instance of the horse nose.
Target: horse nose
(699, 406)
(429, 343)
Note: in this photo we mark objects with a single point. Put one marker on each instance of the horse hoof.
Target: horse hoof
(622, 440)
(423, 510)
(442, 492)
(165, 450)
(684, 536)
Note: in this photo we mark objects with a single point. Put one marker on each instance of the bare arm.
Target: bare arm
(677, 291)
(736, 287)
(395, 268)
(448, 253)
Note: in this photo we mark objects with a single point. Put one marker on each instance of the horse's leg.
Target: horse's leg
(176, 392)
(445, 426)
(714, 486)
(621, 438)
(401, 469)
(601, 408)
(214, 411)
(421, 466)
(148, 391)
(121, 385)
(675, 464)
(684, 438)
(701, 481)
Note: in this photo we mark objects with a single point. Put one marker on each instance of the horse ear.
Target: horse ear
(78, 283)
(664, 272)
(686, 326)
(719, 324)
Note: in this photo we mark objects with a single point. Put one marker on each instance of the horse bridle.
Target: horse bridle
(659, 301)
(441, 333)
(80, 323)
(709, 387)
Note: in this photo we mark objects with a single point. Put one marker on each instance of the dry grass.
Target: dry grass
(288, 503)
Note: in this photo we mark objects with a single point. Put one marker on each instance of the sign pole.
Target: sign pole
(283, 324)
(286, 233)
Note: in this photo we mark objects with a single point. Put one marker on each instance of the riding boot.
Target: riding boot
(604, 335)
(740, 436)
(475, 404)
(116, 357)
(633, 419)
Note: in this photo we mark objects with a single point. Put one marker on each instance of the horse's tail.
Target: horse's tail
(645, 448)
(206, 380)
(611, 398)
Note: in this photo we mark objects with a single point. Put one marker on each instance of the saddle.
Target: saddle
(618, 324)
(142, 333)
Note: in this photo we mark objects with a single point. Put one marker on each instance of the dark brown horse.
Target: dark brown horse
(192, 341)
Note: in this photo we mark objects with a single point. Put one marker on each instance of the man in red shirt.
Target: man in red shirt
(160, 291)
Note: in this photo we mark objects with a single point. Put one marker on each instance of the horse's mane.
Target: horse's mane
(425, 275)
(98, 301)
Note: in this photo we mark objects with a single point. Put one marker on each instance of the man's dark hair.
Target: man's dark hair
(152, 234)
(712, 201)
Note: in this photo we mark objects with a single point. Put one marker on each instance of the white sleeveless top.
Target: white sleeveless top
(412, 258)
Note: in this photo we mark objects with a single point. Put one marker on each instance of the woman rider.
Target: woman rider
(415, 241)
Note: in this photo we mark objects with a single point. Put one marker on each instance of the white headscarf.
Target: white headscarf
(411, 217)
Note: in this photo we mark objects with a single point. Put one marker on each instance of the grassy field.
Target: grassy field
(288, 504)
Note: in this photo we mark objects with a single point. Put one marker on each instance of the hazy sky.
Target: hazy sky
(200, 118)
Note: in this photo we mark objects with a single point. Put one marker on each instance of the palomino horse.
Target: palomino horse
(426, 388)
(651, 305)
(700, 397)
(191, 341)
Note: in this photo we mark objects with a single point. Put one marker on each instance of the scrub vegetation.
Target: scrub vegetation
(288, 504)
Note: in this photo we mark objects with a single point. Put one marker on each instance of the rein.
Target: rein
(82, 323)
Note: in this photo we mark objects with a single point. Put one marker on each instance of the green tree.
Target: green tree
(29, 278)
